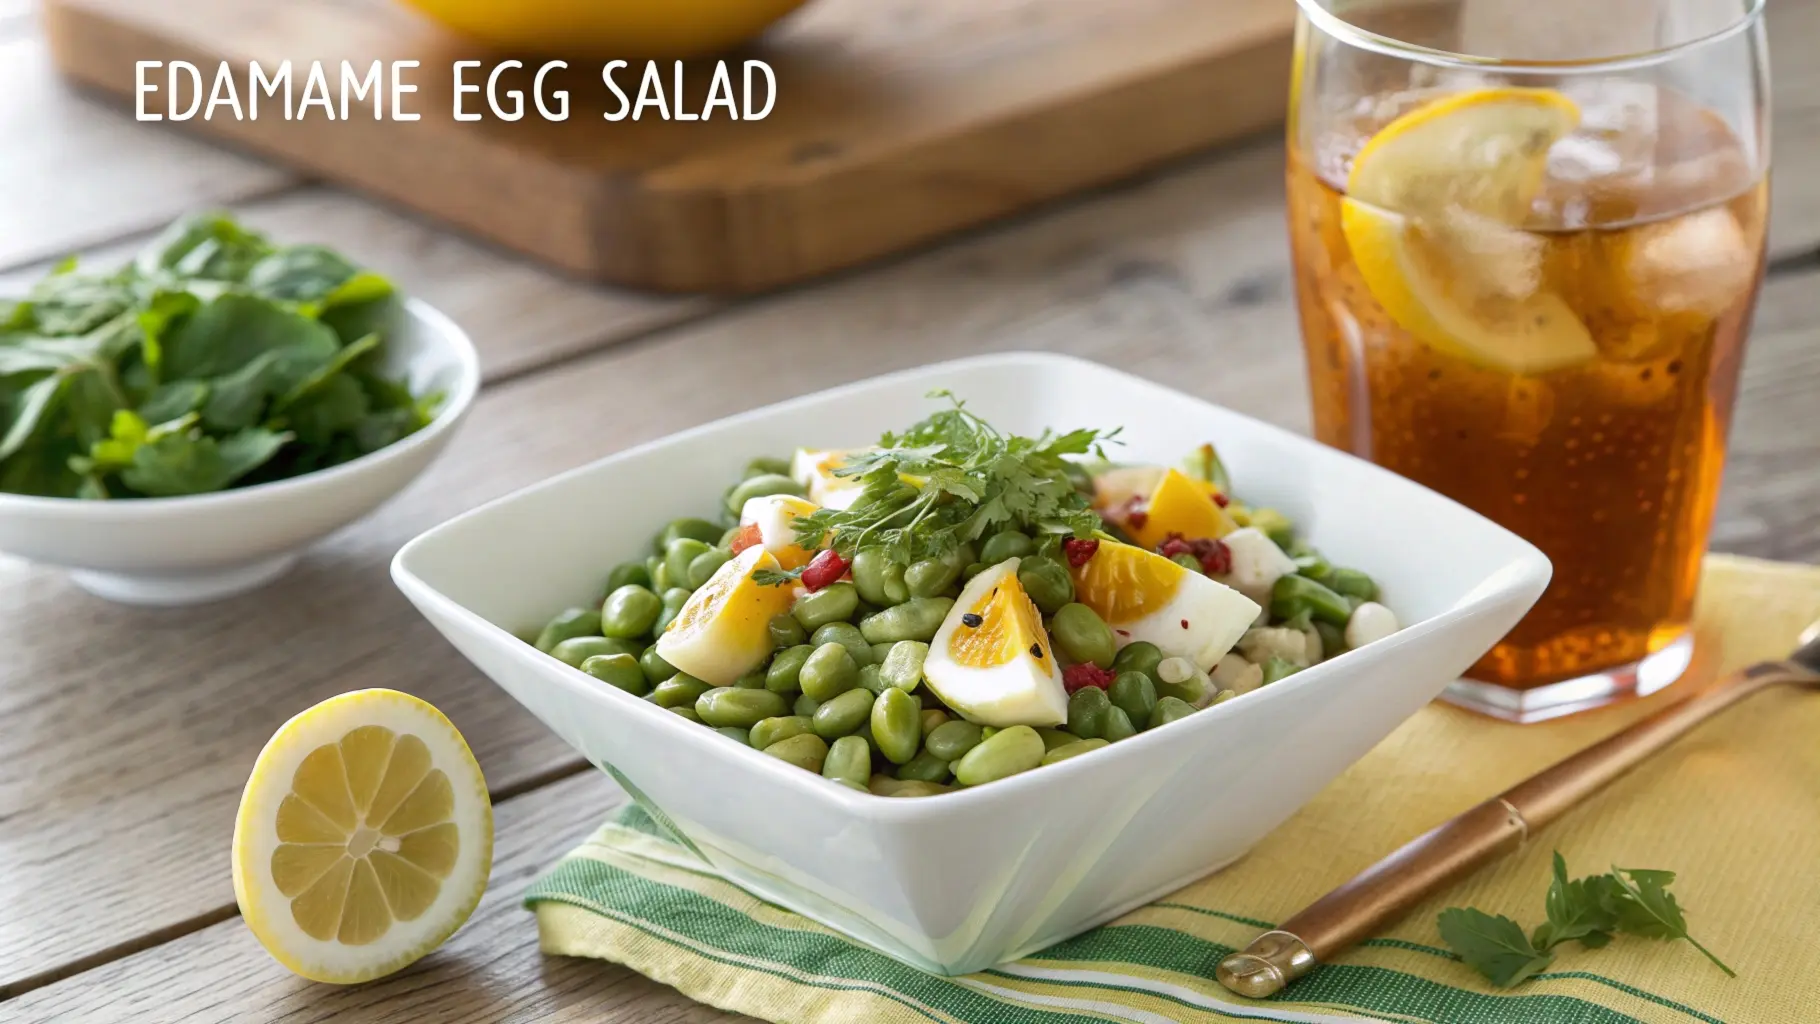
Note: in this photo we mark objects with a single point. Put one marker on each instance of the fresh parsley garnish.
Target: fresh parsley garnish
(1631, 901)
(214, 359)
(949, 480)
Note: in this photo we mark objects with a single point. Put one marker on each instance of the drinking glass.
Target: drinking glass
(1528, 236)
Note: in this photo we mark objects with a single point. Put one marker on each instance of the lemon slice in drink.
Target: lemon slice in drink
(1433, 214)
(364, 837)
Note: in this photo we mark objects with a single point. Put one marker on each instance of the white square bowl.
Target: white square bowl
(957, 882)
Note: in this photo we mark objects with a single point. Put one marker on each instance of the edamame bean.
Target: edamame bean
(1083, 636)
(916, 619)
(679, 690)
(930, 577)
(804, 705)
(842, 715)
(879, 579)
(760, 486)
(784, 674)
(703, 566)
(1008, 752)
(932, 718)
(655, 668)
(1075, 749)
(849, 760)
(630, 611)
(686, 712)
(1134, 694)
(1167, 710)
(924, 767)
(569, 624)
(735, 733)
(688, 526)
(1087, 710)
(730, 705)
(1276, 668)
(828, 673)
(885, 785)
(880, 652)
(1118, 725)
(807, 751)
(660, 578)
(628, 574)
(1053, 738)
(950, 741)
(1294, 594)
(1008, 544)
(764, 464)
(1275, 525)
(753, 680)
(620, 670)
(1187, 561)
(903, 666)
(578, 649)
(897, 725)
(1313, 566)
(1352, 583)
(1333, 639)
(1185, 682)
(833, 603)
(674, 599)
(782, 727)
(1139, 656)
(869, 679)
(679, 554)
(1047, 583)
(973, 569)
(786, 632)
(847, 635)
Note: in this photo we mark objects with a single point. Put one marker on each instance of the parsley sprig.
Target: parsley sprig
(951, 479)
(1632, 901)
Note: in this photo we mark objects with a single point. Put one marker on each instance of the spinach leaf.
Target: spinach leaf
(235, 329)
(210, 246)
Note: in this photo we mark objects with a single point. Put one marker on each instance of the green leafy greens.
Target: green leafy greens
(948, 480)
(1633, 901)
(213, 359)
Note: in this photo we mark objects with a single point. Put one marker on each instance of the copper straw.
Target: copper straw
(1387, 889)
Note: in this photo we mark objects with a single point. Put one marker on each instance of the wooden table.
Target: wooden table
(126, 734)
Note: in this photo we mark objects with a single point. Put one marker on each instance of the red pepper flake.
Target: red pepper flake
(1215, 557)
(1122, 632)
(1086, 674)
(1184, 623)
(824, 569)
(1080, 552)
(1221, 500)
(1132, 513)
(746, 537)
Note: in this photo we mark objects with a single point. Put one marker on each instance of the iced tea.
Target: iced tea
(1555, 345)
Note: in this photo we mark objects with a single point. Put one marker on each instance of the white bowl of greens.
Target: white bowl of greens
(179, 429)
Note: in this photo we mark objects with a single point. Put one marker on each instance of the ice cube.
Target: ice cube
(1697, 262)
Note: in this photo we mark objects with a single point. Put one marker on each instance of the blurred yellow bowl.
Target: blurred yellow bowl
(609, 29)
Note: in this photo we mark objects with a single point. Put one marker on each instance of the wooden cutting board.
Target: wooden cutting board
(895, 122)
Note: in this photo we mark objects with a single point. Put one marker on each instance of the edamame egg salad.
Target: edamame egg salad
(957, 605)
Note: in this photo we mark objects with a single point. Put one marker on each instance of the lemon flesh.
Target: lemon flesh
(1433, 216)
(364, 837)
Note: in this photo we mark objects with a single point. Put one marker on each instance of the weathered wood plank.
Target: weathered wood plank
(149, 721)
(1794, 39)
(519, 315)
(1091, 309)
(491, 971)
(76, 173)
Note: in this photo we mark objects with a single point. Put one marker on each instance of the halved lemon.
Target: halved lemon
(364, 837)
(1434, 217)
(1180, 505)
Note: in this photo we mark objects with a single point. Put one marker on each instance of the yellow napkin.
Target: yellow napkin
(1734, 808)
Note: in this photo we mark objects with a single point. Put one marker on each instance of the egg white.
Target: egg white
(1200, 622)
(775, 515)
(815, 471)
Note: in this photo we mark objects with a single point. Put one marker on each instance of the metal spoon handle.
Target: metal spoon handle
(1387, 889)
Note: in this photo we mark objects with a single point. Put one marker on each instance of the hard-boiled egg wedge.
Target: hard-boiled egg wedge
(1179, 505)
(991, 660)
(775, 516)
(721, 633)
(1144, 596)
(815, 471)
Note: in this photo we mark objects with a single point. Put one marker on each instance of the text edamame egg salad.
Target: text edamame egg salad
(956, 605)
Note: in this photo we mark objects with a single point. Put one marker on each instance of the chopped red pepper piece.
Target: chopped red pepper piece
(824, 569)
(1080, 552)
(746, 537)
(1221, 500)
(1087, 674)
